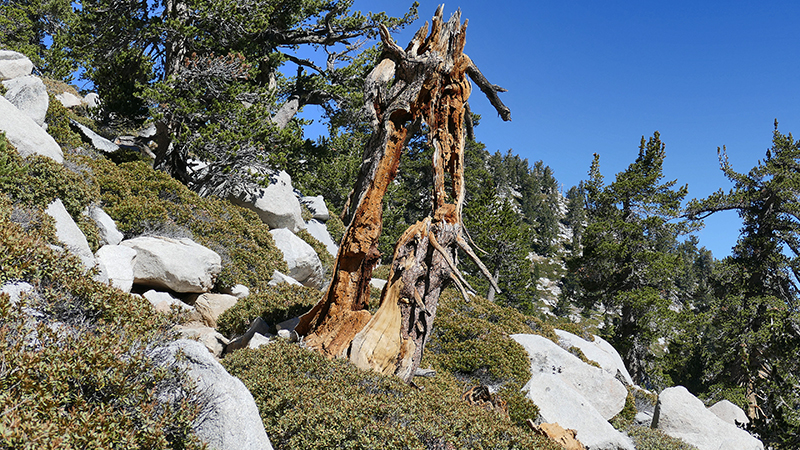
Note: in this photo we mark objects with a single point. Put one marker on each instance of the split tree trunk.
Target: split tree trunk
(426, 82)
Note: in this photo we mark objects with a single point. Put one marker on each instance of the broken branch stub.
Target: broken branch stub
(425, 82)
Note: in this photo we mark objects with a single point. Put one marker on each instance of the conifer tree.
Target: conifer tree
(627, 261)
(753, 343)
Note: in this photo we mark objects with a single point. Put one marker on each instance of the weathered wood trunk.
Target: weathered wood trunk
(426, 82)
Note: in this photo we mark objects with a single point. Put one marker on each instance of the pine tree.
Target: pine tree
(753, 343)
(628, 258)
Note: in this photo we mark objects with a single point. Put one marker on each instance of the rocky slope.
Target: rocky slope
(214, 309)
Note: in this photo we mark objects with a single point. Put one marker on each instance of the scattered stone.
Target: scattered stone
(214, 341)
(599, 351)
(69, 100)
(555, 432)
(229, 418)
(276, 204)
(683, 416)
(278, 278)
(181, 265)
(29, 95)
(730, 413)
(105, 225)
(69, 234)
(239, 291)
(317, 207)
(97, 141)
(26, 135)
(257, 341)
(162, 301)
(288, 325)
(304, 264)
(258, 326)
(116, 265)
(13, 65)
(211, 306)
(643, 419)
(319, 231)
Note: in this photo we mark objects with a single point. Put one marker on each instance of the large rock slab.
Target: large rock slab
(229, 418)
(599, 351)
(26, 135)
(181, 265)
(13, 65)
(276, 204)
(559, 402)
(29, 95)
(116, 265)
(605, 393)
(319, 231)
(304, 264)
(683, 416)
(69, 234)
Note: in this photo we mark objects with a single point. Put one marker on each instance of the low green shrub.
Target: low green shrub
(76, 371)
(57, 119)
(273, 304)
(646, 438)
(144, 201)
(335, 227)
(310, 402)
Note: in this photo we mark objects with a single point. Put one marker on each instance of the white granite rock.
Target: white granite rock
(211, 306)
(68, 99)
(181, 265)
(14, 64)
(276, 204)
(105, 225)
(304, 264)
(26, 135)
(163, 301)
(599, 351)
(278, 278)
(116, 265)
(605, 393)
(229, 420)
(98, 142)
(29, 95)
(682, 415)
(319, 231)
(317, 207)
(729, 412)
(92, 100)
(69, 234)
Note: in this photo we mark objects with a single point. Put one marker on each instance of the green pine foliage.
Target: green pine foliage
(628, 259)
(750, 342)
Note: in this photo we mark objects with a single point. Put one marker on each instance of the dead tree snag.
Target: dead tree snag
(425, 82)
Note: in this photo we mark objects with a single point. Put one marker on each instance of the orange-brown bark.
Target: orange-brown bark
(426, 82)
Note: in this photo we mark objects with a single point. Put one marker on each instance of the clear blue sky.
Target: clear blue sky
(588, 76)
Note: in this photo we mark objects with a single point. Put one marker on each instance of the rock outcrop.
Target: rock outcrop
(115, 264)
(14, 65)
(599, 351)
(229, 418)
(682, 415)
(574, 394)
(69, 234)
(304, 264)
(276, 204)
(181, 265)
(29, 95)
(26, 135)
